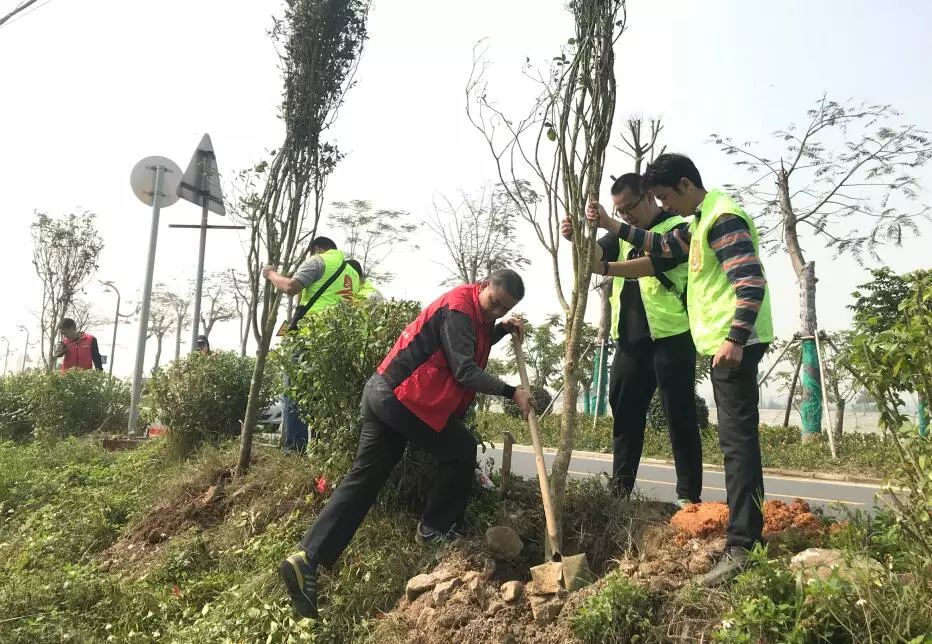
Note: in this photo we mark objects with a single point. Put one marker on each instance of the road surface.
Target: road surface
(658, 481)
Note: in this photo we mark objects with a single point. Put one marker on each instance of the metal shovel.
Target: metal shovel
(560, 573)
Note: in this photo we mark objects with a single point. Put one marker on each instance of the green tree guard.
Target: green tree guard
(811, 406)
(600, 380)
(923, 416)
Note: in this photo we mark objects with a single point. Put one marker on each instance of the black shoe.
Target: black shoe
(732, 563)
(429, 535)
(300, 576)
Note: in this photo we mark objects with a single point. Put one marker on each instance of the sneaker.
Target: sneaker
(300, 576)
(682, 503)
(426, 534)
(733, 561)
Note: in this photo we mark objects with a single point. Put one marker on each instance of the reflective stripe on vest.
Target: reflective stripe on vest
(343, 287)
(710, 296)
(666, 316)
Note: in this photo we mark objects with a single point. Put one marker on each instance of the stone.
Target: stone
(545, 609)
(476, 591)
(576, 573)
(699, 564)
(494, 608)
(672, 567)
(211, 495)
(503, 542)
(547, 578)
(442, 574)
(512, 591)
(717, 545)
(418, 585)
(819, 563)
(469, 576)
(444, 590)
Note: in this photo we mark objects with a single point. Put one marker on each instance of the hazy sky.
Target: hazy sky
(91, 87)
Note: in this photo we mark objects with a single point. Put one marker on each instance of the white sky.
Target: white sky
(89, 88)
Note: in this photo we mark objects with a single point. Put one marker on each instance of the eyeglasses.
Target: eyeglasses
(627, 209)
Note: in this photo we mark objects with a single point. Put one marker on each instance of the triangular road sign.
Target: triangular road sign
(202, 179)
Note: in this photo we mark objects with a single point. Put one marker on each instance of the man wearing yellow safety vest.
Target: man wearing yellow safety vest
(367, 292)
(729, 318)
(323, 280)
(654, 349)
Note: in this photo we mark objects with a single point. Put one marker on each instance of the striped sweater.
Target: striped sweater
(730, 239)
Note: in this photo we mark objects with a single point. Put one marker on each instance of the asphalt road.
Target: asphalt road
(658, 481)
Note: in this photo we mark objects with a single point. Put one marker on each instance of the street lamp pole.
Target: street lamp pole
(26, 348)
(116, 322)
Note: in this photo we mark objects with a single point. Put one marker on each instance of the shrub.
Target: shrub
(619, 612)
(328, 361)
(16, 421)
(542, 399)
(657, 417)
(202, 398)
(55, 405)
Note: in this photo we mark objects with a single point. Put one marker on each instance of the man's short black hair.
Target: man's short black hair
(667, 170)
(67, 323)
(202, 341)
(322, 244)
(356, 266)
(630, 181)
(509, 280)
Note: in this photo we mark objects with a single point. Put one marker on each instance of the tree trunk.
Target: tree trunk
(839, 419)
(811, 406)
(158, 352)
(178, 330)
(605, 334)
(255, 389)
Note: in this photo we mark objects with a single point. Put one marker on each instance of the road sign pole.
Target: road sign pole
(146, 297)
(199, 285)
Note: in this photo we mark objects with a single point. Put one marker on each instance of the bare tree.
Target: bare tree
(639, 144)
(562, 143)
(64, 254)
(242, 303)
(321, 41)
(84, 316)
(180, 304)
(220, 305)
(161, 318)
(370, 235)
(846, 179)
(478, 233)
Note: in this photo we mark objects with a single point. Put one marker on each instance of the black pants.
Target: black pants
(736, 397)
(669, 365)
(387, 427)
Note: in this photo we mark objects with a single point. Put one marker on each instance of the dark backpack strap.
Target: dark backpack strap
(670, 286)
(302, 310)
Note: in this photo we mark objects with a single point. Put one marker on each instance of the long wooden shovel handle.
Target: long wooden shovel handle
(538, 457)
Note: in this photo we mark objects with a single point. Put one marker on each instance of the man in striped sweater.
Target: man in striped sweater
(729, 318)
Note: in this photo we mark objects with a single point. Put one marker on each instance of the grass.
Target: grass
(858, 454)
(121, 547)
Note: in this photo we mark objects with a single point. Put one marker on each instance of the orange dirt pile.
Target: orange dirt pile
(701, 519)
(704, 520)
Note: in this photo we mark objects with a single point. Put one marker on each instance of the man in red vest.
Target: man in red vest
(418, 394)
(79, 349)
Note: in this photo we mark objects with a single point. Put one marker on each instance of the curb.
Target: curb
(818, 476)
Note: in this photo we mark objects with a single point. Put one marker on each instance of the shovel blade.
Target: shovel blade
(547, 578)
(576, 572)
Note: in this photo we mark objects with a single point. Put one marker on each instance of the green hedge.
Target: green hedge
(52, 405)
(202, 398)
(781, 447)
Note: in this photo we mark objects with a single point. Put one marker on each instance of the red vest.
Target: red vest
(417, 369)
(78, 353)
